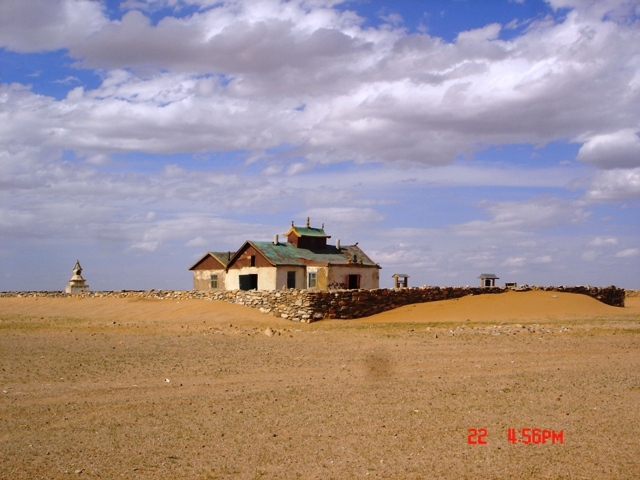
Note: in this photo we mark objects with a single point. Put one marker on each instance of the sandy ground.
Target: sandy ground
(122, 388)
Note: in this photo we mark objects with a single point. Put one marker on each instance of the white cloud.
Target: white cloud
(523, 261)
(37, 25)
(628, 253)
(473, 37)
(193, 83)
(44, 197)
(68, 80)
(603, 242)
(199, 242)
(513, 218)
(515, 262)
(618, 10)
(615, 150)
(614, 185)
(143, 247)
(297, 168)
(543, 259)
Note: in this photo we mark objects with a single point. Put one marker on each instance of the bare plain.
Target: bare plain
(153, 389)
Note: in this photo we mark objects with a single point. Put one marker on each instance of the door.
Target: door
(291, 279)
(353, 282)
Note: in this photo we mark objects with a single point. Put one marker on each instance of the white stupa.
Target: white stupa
(77, 283)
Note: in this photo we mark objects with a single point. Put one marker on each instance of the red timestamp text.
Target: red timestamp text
(477, 436)
(535, 436)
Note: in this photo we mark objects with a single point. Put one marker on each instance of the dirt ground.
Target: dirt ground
(145, 389)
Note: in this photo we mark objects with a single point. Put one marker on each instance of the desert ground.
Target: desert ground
(152, 389)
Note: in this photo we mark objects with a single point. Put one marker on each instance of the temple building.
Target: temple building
(303, 261)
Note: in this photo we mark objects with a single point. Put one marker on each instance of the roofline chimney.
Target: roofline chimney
(275, 239)
(338, 244)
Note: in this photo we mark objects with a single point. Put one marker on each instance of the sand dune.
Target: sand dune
(510, 306)
(506, 307)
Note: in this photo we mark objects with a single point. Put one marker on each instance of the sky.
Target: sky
(448, 138)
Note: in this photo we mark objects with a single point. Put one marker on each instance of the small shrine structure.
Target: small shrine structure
(77, 284)
(488, 279)
(401, 280)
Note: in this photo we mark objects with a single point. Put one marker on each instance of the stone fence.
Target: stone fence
(311, 305)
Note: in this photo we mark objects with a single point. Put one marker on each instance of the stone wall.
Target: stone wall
(310, 305)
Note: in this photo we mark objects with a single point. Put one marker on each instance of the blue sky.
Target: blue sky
(448, 138)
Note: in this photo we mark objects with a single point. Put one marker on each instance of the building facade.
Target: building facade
(304, 261)
(209, 273)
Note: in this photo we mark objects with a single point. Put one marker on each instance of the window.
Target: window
(214, 281)
(253, 260)
(313, 280)
(248, 282)
(291, 279)
(353, 281)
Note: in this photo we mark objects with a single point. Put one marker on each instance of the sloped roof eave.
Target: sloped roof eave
(242, 248)
(203, 258)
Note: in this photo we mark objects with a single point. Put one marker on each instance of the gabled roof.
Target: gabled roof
(288, 254)
(222, 257)
(307, 232)
(489, 275)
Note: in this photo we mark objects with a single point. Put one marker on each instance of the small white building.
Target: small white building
(488, 279)
(401, 280)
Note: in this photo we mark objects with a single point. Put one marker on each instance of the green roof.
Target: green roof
(222, 257)
(288, 254)
(308, 232)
